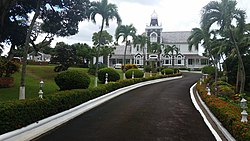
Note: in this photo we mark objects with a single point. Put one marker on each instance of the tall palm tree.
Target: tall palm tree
(173, 50)
(203, 36)
(108, 12)
(223, 13)
(142, 40)
(125, 31)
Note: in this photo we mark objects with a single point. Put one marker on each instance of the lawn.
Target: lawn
(34, 75)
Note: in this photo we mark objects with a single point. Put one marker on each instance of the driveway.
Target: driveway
(158, 112)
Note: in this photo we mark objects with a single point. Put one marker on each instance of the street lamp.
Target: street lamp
(41, 89)
(133, 74)
(243, 105)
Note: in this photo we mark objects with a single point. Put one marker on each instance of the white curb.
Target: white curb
(227, 135)
(36, 129)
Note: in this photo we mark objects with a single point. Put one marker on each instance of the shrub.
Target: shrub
(8, 67)
(92, 68)
(223, 88)
(72, 79)
(129, 66)
(137, 73)
(208, 70)
(147, 69)
(113, 75)
(167, 71)
(176, 70)
(159, 69)
(227, 113)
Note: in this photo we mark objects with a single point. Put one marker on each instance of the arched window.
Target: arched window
(179, 59)
(138, 59)
(153, 37)
(167, 60)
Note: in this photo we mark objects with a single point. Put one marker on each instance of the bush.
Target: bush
(147, 69)
(227, 113)
(129, 66)
(167, 71)
(223, 88)
(113, 75)
(7, 68)
(208, 70)
(92, 68)
(72, 79)
(176, 70)
(137, 73)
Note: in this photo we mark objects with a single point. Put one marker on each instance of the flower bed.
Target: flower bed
(227, 113)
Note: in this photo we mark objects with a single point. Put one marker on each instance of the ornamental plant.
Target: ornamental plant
(167, 71)
(129, 66)
(137, 73)
(8, 67)
(113, 75)
(72, 79)
(227, 113)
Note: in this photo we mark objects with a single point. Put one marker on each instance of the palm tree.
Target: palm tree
(108, 12)
(171, 49)
(203, 36)
(142, 40)
(223, 13)
(125, 31)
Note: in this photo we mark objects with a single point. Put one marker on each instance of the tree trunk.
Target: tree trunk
(242, 69)
(98, 52)
(144, 59)
(237, 79)
(124, 58)
(11, 52)
(26, 49)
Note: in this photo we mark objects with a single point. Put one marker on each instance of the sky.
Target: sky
(173, 15)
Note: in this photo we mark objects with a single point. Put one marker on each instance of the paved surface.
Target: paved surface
(158, 112)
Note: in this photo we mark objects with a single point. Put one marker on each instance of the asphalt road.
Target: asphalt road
(158, 112)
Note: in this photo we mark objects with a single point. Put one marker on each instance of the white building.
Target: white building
(185, 58)
(39, 57)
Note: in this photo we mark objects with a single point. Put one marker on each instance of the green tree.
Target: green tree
(83, 53)
(108, 12)
(224, 13)
(125, 31)
(105, 52)
(106, 38)
(58, 17)
(142, 40)
(173, 50)
(65, 56)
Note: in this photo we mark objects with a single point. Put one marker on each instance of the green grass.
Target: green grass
(34, 75)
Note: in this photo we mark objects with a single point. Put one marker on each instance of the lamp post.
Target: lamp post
(106, 78)
(133, 74)
(41, 89)
(243, 105)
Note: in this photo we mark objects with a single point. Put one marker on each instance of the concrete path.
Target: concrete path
(158, 112)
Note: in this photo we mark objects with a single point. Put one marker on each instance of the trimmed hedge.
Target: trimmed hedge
(113, 75)
(167, 71)
(72, 79)
(137, 73)
(227, 113)
(20, 113)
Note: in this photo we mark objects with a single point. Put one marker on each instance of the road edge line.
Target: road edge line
(216, 135)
